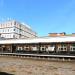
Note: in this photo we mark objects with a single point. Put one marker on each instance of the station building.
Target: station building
(55, 44)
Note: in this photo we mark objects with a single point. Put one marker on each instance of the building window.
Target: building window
(14, 23)
(74, 49)
(62, 48)
(43, 49)
(3, 30)
(14, 29)
(8, 30)
(13, 36)
(20, 48)
(26, 46)
(59, 48)
(34, 46)
(73, 44)
(27, 49)
(11, 24)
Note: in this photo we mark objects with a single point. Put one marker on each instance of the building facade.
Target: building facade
(60, 34)
(13, 29)
(56, 34)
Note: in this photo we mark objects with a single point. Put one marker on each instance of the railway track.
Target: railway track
(41, 56)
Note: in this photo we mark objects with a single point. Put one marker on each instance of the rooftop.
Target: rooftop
(39, 40)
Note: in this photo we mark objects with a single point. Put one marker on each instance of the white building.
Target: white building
(14, 29)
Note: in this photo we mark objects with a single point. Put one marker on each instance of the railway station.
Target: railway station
(25, 41)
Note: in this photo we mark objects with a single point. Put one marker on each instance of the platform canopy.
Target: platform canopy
(39, 40)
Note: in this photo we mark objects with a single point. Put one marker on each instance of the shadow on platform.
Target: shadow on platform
(4, 73)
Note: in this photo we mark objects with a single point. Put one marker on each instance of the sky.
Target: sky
(43, 16)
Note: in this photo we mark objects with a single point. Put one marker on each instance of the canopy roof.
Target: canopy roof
(39, 40)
